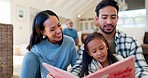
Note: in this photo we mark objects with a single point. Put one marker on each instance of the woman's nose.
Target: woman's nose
(58, 30)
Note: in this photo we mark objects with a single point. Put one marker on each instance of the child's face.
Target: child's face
(98, 50)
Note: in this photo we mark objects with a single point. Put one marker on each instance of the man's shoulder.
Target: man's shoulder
(121, 35)
(75, 30)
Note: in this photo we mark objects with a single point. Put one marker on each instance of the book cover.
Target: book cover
(121, 69)
(58, 73)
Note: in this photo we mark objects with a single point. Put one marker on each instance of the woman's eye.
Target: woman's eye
(59, 25)
(51, 29)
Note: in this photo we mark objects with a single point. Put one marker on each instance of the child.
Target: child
(96, 54)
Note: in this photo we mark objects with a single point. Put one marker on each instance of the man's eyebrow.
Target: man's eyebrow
(114, 15)
(108, 15)
(104, 15)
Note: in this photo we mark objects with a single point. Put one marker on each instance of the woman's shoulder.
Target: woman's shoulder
(38, 45)
(67, 38)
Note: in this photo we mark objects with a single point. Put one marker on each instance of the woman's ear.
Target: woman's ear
(42, 32)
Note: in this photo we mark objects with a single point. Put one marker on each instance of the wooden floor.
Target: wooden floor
(16, 71)
(17, 61)
(15, 76)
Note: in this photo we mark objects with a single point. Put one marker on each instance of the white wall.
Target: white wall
(5, 11)
(22, 27)
(146, 6)
(137, 33)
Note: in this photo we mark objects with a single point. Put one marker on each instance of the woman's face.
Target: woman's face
(98, 50)
(53, 29)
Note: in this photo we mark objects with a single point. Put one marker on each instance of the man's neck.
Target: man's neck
(108, 37)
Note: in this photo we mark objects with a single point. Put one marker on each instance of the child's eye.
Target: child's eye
(94, 51)
(101, 48)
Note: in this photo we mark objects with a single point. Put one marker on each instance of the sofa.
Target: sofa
(145, 46)
(6, 50)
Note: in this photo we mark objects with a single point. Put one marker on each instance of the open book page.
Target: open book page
(58, 73)
(122, 69)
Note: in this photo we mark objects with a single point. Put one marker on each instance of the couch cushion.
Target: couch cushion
(145, 40)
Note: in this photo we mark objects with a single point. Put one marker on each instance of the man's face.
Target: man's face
(107, 19)
(69, 24)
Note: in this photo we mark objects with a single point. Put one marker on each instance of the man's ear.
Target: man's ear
(96, 21)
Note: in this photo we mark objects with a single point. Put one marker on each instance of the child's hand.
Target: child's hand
(50, 76)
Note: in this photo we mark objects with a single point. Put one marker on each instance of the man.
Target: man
(69, 31)
(120, 43)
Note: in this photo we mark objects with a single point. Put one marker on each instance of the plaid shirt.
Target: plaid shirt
(125, 46)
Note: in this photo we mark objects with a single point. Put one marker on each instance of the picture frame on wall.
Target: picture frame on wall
(21, 13)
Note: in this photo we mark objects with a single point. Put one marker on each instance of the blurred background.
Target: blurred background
(133, 19)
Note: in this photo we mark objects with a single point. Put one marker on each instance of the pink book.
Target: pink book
(122, 69)
(58, 73)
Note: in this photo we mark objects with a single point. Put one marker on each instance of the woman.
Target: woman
(49, 45)
(96, 54)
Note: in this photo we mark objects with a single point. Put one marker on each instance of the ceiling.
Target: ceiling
(74, 6)
(79, 7)
(135, 4)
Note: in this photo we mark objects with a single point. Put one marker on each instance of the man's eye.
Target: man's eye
(114, 17)
(104, 17)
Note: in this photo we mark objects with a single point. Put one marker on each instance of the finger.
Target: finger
(50, 76)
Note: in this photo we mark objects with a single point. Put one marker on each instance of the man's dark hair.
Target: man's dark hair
(105, 3)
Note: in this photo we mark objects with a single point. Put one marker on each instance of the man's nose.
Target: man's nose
(109, 21)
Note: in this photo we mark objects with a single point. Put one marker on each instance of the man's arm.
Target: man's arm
(140, 63)
(76, 69)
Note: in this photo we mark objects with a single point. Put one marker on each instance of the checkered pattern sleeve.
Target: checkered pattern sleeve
(77, 67)
(127, 46)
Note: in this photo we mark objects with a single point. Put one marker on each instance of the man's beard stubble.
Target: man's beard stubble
(103, 30)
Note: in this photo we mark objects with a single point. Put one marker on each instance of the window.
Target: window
(86, 26)
(133, 18)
